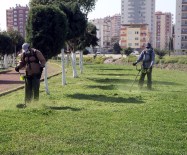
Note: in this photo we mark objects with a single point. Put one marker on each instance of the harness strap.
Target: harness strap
(33, 53)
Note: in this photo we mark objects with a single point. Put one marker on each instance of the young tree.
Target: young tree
(117, 48)
(127, 52)
(89, 38)
(76, 27)
(46, 31)
(17, 41)
(6, 47)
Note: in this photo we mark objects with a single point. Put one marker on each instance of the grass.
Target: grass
(97, 114)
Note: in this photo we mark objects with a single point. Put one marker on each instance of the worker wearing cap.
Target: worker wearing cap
(147, 57)
(33, 61)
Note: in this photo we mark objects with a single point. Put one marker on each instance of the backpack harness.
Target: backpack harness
(28, 55)
(148, 53)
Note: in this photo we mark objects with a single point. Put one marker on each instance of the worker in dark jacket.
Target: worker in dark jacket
(147, 56)
(33, 61)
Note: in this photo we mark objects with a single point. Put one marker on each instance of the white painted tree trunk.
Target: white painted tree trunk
(14, 60)
(14, 57)
(63, 68)
(5, 61)
(81, 61)
(45, 80)
(73, 58)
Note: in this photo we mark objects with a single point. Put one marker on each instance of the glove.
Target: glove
(134, 63)
(17, 68)
(41, 69)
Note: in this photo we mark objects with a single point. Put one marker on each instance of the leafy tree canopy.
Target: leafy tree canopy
(160, 53)
(117, 48)
(17, 39)
(85, 5)
(76, 20)
(89, 38)
(128, 51)
(47, 29)
(5, 44)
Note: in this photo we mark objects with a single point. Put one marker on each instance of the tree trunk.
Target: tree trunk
(45, 80)
(14, 57)
(63, 68)
(81, 61)
(5, 61)
(73, 57)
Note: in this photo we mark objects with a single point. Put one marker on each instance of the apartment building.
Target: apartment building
(115, 28)
(103, 26)
(163, 30)
(139, 12)
(16, 18)
(181, 25)
(134, 35)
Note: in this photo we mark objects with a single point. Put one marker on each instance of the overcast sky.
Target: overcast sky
(103, 8)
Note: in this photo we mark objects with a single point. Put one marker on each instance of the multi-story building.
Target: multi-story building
(134, 35)
(163, 30)
(16, 18)
(108, 30)
(139, 12)
(181, 25)
(115, 28)
(103, 26)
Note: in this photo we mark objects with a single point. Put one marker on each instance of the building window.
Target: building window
(20, 11)
(136, 44)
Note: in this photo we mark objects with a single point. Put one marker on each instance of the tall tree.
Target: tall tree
(17, 40)
(76, 27)
(46, 31)
(117, 48)
(89, 38)
(6, 47)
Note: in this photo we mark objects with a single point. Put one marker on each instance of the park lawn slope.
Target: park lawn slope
(97, 114)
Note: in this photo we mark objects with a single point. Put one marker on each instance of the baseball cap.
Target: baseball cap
(25, 47)
(148, 45)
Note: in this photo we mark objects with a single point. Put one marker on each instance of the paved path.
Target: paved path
(10, 80)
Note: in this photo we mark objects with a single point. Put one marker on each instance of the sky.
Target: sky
(102, 9)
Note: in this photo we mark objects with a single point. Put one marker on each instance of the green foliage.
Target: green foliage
(17, 39)
(85, 52)
(86, 5)
(47, 29)
(96, 60)
(96, 114)
(6, 46)
(76, 20)
(89, 38)
(160, 53)
(175, 59)
(117, 49)
(127, 51)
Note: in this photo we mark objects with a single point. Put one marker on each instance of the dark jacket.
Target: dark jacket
(147, 56)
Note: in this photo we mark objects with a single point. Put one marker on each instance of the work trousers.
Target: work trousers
(145, 72)
(32, 85)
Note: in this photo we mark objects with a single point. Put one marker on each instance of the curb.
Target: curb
(22, 86)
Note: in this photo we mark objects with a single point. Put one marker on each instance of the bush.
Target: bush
(97, 60)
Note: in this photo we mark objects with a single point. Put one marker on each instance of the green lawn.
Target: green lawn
(97, 114)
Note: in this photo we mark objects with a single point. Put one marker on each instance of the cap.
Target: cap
(148, 45)
(25, 47)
